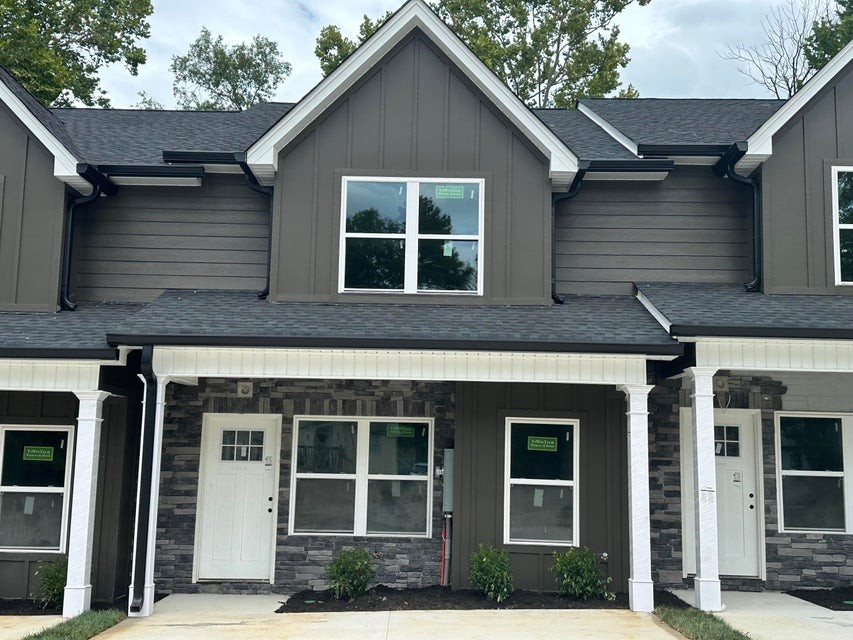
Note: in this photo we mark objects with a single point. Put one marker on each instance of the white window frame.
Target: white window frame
(837, 226)
(846, 473)
(508, 482)
(65, 490)
(412, 235)
(361, 475)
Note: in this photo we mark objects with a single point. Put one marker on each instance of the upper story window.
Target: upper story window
(411, 235)
(842, 219)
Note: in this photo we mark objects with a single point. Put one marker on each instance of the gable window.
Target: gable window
(361, 476)
(411, 235)
(814, 459)
(842, 206)
(35, 472)
(541, 495)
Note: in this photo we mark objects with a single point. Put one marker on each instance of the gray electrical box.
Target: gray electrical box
(447, 491)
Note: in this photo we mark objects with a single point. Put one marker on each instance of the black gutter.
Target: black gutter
(146, 465)
(639, 165)
(712, 331)
(100, 184)
(239, 158)
(392, 343)
(122, 170)
(680, 150)
(726, 167)
(59, 353)
(574, 188)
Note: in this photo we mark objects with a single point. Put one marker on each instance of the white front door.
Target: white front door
(238, 486)
(737, 441)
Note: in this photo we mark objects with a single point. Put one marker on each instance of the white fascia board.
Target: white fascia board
(775, 354)
(262, 156)
(612, 131)
(760, 143)
(64, 162)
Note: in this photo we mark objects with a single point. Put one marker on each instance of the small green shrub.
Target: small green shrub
(54, 575)
(577, 574)
(351, 572)
(489, 571)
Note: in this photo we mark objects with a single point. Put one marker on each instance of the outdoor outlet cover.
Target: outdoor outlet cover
(244, 389)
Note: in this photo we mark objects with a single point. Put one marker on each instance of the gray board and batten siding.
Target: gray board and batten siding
(797, 199)
(690, 227)
(481, 411)
(32, 205)
(132, 246)
(415, 114)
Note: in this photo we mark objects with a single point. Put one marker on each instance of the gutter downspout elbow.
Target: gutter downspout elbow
(555, 198)
(254, 185)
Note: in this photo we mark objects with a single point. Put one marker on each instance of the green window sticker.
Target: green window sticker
(450, 191)
(38, 454)
(540, 443)
(400, 431)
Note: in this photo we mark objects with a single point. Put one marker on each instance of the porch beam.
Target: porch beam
(707, 581)
(769, 354)
(78, 587)
(640, 587)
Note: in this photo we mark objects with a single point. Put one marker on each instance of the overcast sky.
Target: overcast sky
(675, 44)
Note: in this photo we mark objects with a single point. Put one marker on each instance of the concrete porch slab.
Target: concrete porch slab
(772, 615)
(15, 627)
(220, 617)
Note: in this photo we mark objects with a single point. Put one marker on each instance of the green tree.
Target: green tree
(215, 76)
(830, 34)
(56, 48)
(549, 52)
(147, 102)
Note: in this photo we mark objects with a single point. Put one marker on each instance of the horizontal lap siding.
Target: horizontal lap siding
(146, 239)
(692, 227)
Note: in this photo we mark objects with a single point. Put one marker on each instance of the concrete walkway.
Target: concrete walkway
(16, 627)
(220, 617)
(771, 615)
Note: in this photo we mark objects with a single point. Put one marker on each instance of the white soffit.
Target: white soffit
(157, 181)
(64, 162)
(760, 143)
(49, 375)
(770, 354)
(262, 156)
(394, 364)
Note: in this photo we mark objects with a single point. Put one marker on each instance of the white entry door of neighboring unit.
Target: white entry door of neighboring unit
(238, 496)
(737, 445)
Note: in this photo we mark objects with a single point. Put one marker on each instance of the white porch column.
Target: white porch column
(707, 582)
(78, 587)
(640, 587)
(148, 589)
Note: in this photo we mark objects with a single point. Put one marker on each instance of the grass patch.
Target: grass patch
(698, 625)
(87, 625)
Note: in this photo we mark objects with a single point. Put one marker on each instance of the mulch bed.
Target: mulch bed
(10, 607)
(382, 598)
(834, 599)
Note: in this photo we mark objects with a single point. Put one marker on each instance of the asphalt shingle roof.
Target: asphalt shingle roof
(665, 121)
(591, 323)
(586, 139)
(139, 137)
(730, 310)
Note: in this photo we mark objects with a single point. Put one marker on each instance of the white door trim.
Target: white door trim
(238, 419)
(686, 470)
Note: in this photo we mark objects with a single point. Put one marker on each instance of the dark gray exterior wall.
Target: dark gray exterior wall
(479, 474)
(414, 115)
(32, 206)
(797, 201)
(691, 227)
(300, 560)
(145, 239)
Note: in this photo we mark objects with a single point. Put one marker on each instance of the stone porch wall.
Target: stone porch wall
(792, 559)
(300, 560)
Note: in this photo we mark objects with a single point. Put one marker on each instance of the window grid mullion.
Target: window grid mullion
(380, 476)
(815, 474)
(543, 483)
(410, 279)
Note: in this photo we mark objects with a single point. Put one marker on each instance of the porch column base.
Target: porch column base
(708, 594)
(641, 595)
(76, 600)
(147, 607)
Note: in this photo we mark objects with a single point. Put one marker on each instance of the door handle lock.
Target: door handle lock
(269, 499)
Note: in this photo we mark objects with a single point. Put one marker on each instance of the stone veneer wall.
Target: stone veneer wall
(792, 559)
(300, 560)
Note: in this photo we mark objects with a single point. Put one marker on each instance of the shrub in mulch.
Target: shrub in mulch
(838, 599)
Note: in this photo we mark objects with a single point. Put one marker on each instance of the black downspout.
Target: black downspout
(65, 302)
(555, 198)
(146, 464)
(254, 185)
(726, 167)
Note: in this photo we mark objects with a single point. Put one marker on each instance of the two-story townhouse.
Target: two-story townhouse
(232, 344)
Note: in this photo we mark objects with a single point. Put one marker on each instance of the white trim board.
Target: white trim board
(49, 375)
(772, 354)
(402, 364)
(262, 156)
